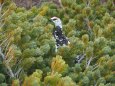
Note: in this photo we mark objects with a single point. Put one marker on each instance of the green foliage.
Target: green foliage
(16, 83)
(58, 64)
(52, 80)
(27, 63)
(3, 84)
(77, 68)
(34, 79)
(66, 81)
(89, 51)
(85, 81)
(101, 80)
(106, 50)
(87, 11)
(28, 45)
(85, 39)
(2, 78)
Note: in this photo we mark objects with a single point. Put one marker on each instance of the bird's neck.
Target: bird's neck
(59, 26)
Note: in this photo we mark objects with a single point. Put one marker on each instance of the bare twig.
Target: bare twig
(88, 62)
(87, 23)
(9, 60)
(18, 63)
(4, 13)
(88, 3)
(82, 57)
(79, 58)
(7, 47)
(95, 67)
(60, 3)
(29, 3)
(10, 70)
(18, 72)
(0, 8)
(9, 51)
(2, 55)
(1, 25)
(4, 41)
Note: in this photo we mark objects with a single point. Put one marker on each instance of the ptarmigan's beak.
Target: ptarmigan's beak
(51, 20)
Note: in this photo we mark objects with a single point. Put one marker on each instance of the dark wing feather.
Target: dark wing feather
(59, 36)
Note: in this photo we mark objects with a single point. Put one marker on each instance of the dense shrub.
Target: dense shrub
(28, 46)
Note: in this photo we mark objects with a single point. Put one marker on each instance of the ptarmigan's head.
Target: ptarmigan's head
(56, 21)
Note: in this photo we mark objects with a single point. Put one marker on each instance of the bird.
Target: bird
(60, 38)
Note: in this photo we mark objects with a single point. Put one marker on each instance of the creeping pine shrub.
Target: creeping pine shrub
(27, 42)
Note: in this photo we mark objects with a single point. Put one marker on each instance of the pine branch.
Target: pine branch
(11, 74)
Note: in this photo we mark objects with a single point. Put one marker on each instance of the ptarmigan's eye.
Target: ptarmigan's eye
(54, 19)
